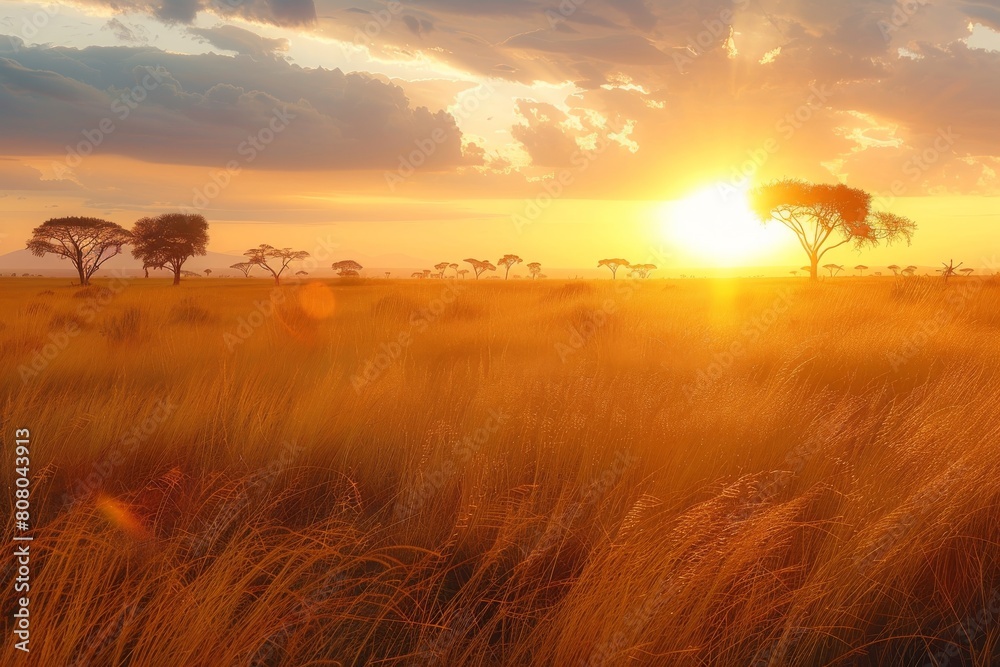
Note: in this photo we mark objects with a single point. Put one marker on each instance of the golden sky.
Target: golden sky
(443, 129)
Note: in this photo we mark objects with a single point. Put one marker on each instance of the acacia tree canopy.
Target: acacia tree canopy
(86, 242)
(169, 240)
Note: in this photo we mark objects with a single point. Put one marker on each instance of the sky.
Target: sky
(565, 131)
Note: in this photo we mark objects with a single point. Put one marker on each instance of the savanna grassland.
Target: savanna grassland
(523, 473)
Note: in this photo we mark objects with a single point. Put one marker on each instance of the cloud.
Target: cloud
(238, 40)
(275, 12)
(155, 106)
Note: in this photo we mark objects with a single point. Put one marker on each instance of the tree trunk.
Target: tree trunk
(177, 275)
(814, 268)
(83, 277)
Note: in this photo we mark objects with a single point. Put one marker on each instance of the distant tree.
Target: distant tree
(303, 274)
(824, 217)
(347, 268)
(833, 267)
(642, 270)
(508, 261)
(967, 272)
(862, 268)
(534, 269)
(169, 240)
(426, 273)
(909, 271)
(264, 254)
(463, 273)
(190, 274)
(86, 242)
(878, 274)
(208, 272)
(441, 267)
(895, 269)
(794, 273)
(480, 266)
(613, 265)
(454, 267)
(417, 274)
(949, 270)
(387, 275)
(244, 268)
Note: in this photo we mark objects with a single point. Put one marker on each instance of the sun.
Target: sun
(716, 227)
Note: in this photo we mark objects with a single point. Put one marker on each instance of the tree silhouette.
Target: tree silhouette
(534, 269)
(833, 267)
(508, 261)
(244, 268)
(967, 272)
(454, 267)
(281, 257)
(895, 269)
(642, 270)
(347, 268)
(302, 273)
(862, 268)
(169, 240)
(86, 242)
(441, 267)
(208, 273)
(463, 273)
(417, 274)
(824, 217)
(387, 273)
(909, 271)
(146, 266)
(480, 266)
(614, 265)
(949, 270)
(794, 273)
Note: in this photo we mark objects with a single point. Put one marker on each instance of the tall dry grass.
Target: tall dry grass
(696, 473)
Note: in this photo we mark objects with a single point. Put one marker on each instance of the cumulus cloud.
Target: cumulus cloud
(147, 104)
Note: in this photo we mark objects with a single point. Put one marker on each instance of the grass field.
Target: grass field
(527, 473)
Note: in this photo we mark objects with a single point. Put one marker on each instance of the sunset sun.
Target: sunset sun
(715, 226)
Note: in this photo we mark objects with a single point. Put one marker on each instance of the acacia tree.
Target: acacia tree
(282, 258)
(895, 269)
(642, 270)
(208, 273)
(86, 242)
(463, 273)
(824, 217)
(169, 240)
(967, 272)
(614, 265)
(454, 267)
(441, 267)
(508, 261)
(347, 268)
(862, 268)
(244, 268)
(479, 266)
(833, 267)
(534, 269)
